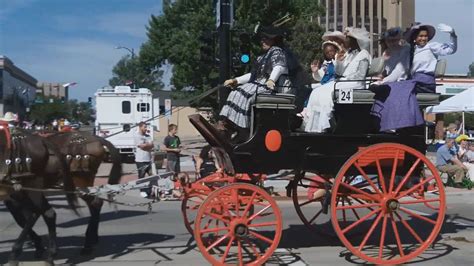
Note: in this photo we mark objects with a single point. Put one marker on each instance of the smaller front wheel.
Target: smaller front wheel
(239, 224)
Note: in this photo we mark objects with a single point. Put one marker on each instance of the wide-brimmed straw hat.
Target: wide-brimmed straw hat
(409, 34)
(335, 36)
(361, 35)
(8, 117)
(338, 47)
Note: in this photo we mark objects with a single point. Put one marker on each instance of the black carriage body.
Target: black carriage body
(322, 153)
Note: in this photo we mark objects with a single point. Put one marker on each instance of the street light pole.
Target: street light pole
(132, 52)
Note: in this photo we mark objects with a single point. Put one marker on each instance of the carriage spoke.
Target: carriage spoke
(213, 230)
(261, 237)
(353, 209)
(419, 201)
(417, 216)
(263, 224)
(382, 236)
(405, 178)
(394, 171)
(249, 204)
(259, 212)
(409, 228)
(381, 177)
(252, 246)
(415, 187)
(227, 249)
(218, 217)
(362, 172)
(371, 230)
(363, 205)
(343, 210)
(218, 241)
(309, 201)
(315, 216)
(397, 235)
(350, 227)
(239, 252)
(372, 196)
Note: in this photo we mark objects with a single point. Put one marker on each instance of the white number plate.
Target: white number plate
(345, 95)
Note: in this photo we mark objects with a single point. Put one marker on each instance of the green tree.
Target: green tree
(174, 38)
(471, 70)
(48, 111)
(130, 69)
(72, 110)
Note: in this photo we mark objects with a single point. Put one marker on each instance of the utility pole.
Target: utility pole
(224, 21)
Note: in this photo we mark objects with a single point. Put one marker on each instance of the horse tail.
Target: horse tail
(69, 186)
(116, 171)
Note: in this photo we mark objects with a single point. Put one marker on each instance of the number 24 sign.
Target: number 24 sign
(345, 95)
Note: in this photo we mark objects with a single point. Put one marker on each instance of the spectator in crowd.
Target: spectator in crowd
(448, 162)
(143, 158)
(206, 163)
(451, 131)
(172, 147)
(466, 154)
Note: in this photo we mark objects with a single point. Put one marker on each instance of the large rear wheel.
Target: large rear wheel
(385, 185)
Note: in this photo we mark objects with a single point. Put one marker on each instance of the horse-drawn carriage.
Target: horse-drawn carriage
(372, 190)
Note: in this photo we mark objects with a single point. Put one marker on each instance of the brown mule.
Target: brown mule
(24, 159)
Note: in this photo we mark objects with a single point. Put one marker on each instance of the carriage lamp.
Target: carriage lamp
(8, 161)
(28, 160)
(68, 157)
(86, 157)
(78, 157)
(17, 160)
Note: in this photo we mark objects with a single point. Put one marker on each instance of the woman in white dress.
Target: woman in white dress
(353, 65)
(396, 56)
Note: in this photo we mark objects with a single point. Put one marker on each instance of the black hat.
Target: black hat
(271, 32)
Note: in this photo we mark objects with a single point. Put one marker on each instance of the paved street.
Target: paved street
(131, 235)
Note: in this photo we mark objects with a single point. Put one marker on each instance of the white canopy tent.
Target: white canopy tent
(462, 102)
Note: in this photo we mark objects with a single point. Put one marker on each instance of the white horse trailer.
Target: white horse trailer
(119, 110)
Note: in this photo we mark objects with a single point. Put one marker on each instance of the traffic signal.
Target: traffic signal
(244, 48)
(89, 100)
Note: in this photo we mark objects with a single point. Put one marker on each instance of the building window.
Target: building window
(143, 107)
(126, 107)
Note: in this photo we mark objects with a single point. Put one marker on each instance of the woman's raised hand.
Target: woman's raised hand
(445, 28)
(315, 66)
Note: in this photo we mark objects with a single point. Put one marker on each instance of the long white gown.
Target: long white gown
(320, 103)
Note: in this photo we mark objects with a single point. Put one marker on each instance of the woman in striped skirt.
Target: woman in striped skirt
(269, 72)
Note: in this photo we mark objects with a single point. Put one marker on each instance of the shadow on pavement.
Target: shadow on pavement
(108, 216)
(113, 246)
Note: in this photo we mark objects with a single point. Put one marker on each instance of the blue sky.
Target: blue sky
(74, 40)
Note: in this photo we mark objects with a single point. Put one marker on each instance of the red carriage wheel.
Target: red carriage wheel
(238, 237)
(190, 206)
(308, 193)
(383, 183)
(196, 193)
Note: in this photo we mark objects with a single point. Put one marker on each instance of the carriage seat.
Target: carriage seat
(367, 97)
(277, 98)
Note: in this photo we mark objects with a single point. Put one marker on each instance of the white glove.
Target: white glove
(445, 28)
(230, 83)
(270, 84)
